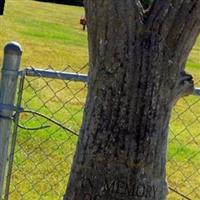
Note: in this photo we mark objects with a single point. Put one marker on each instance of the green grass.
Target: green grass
(51, 35)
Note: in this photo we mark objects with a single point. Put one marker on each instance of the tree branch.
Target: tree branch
(164, 14)
(184, 86)
(176, 25)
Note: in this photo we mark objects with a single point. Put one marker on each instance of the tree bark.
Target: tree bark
(137, 61)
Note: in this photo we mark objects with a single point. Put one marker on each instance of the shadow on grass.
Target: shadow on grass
(66, 2)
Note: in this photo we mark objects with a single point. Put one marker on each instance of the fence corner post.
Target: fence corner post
(8, 86)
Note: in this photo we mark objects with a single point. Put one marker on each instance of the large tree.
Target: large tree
(137, 61)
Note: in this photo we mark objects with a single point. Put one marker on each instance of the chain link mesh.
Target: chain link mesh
(43, 158)
(183, 171)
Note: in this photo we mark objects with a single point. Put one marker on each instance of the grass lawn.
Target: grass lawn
(52, 37)
(49, 33)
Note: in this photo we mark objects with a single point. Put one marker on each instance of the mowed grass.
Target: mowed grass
(52, 37)
(50, 34)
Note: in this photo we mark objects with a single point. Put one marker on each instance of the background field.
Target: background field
(52, 38)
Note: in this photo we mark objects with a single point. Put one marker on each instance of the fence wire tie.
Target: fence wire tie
(18, 110)
(34, 128)
(9, 107)
(44, 126)
(6, 117)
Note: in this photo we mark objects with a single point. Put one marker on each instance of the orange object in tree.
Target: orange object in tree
(83, 22)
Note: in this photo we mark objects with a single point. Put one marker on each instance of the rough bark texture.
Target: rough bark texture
(137, 62)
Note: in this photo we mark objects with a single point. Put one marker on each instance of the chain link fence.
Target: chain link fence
(42, 148)
(183, 167)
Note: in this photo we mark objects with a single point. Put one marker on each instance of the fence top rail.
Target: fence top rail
(196, 92)
(37, 72)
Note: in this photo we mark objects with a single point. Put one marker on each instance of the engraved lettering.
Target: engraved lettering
(115, 188)
(140, 191)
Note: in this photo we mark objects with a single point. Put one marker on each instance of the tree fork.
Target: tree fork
(137, 62)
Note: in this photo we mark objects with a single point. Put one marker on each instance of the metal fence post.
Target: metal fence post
(9, 76)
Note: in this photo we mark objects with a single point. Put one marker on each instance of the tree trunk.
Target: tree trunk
(137, 62)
